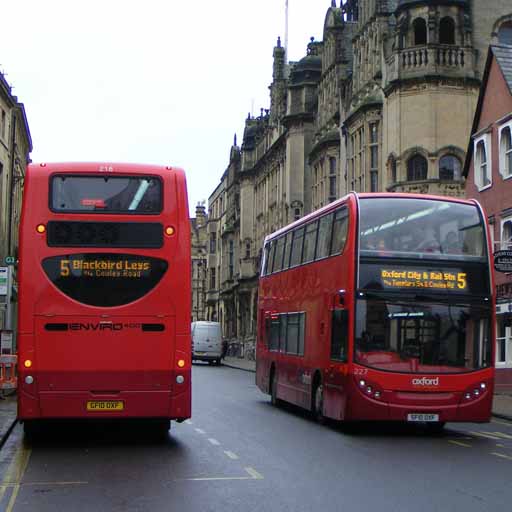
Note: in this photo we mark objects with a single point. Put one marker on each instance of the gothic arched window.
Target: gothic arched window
(505, 33)
(449, 168)
(417, 168)
(420, 31)
(447, 31)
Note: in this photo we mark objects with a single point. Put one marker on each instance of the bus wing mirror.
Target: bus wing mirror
(340, 298)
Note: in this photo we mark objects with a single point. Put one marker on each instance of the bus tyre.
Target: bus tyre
(318, 404)
(30, 429)
(273, 391)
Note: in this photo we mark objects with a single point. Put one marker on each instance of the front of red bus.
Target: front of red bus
(424, 327)
(104, 314)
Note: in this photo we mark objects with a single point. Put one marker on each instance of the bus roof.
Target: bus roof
(100, 168)
(355, 196)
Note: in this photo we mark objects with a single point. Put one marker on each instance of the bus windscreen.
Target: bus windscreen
(421, 228)
(106, 194)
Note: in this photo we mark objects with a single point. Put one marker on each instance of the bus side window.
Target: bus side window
(339, 231)
(339, 335)
(287, 250)
(324, 236)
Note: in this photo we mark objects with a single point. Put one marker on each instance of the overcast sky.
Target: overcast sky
(153, 81)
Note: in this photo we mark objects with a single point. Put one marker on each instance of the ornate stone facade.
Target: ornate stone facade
(199, 240)
(384, 102)
(15, 148)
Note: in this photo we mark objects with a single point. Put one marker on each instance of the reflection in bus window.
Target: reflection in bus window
(339, 231)
(426, 337)
(421, 228)
(298, 237)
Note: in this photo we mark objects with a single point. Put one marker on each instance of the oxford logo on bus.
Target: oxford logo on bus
(425, 381)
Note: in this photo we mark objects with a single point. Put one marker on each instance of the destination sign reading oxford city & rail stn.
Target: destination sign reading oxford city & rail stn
(465, 278)
(424, 279)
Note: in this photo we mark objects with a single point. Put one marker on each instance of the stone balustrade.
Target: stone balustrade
(445, 60)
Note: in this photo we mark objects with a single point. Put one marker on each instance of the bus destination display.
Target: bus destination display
(105, 267)
(427, 279)
(463, 278)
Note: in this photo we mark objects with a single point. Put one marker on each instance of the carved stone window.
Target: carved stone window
(417, 168)
(420, 32)
(447, 31)
(505, 33)
(449, 168)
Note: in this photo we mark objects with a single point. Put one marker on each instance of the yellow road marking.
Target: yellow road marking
(458, 443)
(25, 484)
(502, 423)
(501, 434)
(502, 455)
(254, 473)
(486, 435)
(20, 463)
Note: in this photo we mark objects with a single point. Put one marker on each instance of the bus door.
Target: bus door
(336, 373)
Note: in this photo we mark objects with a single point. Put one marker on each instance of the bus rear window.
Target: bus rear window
(106, 194)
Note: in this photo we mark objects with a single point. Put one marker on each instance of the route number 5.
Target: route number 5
(64, 268)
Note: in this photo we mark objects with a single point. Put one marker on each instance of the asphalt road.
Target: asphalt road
(238, 453)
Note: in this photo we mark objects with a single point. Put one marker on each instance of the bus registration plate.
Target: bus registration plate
(105, 405)
(422, 417)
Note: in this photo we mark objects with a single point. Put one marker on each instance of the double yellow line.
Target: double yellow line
(14, 475)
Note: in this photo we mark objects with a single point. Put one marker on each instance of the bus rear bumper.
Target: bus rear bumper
(125, 404)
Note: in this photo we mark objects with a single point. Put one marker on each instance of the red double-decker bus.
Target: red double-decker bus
(104, 294)
(380, 307)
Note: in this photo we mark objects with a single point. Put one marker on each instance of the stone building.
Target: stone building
(384, 102)
(199, 240)
(15, 148)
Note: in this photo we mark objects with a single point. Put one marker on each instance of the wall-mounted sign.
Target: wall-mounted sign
(10, 260)
(503, 261)
(3, 280)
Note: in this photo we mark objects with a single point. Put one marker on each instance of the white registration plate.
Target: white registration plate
(422, 417)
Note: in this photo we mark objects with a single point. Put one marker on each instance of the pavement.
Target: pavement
(501, 407)
(502, 404)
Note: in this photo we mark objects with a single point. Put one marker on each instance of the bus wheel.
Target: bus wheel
(318, 404)
(273, 390)
(30, 429)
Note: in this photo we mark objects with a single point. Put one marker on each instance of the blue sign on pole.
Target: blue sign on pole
(10, 260)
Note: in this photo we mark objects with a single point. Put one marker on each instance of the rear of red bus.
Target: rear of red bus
(104, 302)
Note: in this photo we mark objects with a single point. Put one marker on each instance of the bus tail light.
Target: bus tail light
(169, 230)
(181, 363)
(27, 363)
(41, 228)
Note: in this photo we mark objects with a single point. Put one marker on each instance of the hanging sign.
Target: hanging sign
(503, 261)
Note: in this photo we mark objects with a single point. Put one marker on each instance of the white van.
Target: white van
(206, 342)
